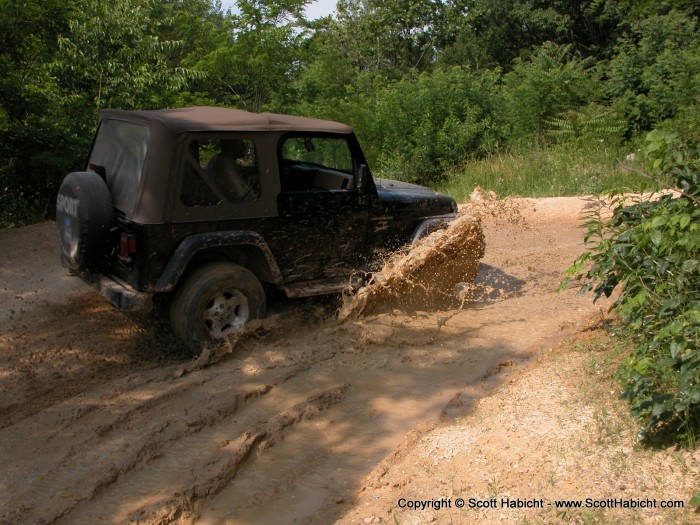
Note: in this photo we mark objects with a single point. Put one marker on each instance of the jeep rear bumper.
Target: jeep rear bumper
(122, 296)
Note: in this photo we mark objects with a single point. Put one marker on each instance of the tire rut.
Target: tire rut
(177, 481)
(129, 429)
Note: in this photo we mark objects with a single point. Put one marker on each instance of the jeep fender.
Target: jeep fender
(194, 244)
(430, 225)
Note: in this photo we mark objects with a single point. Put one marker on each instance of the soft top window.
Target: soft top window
(120, 149)
(325, 152)
(218, 170)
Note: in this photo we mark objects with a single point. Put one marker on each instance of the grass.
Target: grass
(553, 171)
(625, 466)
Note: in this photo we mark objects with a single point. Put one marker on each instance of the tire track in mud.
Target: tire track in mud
(171, 484)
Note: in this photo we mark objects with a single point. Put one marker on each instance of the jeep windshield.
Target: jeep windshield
(118, 153)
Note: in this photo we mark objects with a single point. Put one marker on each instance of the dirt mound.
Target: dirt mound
(431, 274)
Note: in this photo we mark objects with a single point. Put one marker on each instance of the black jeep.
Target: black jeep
(202, 206)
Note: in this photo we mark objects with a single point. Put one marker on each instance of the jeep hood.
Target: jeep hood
(410, 200)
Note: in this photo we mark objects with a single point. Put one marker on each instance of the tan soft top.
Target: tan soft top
(224, 119)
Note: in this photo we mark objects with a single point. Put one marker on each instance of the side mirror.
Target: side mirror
(363, 179)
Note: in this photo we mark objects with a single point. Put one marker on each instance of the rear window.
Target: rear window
(120, 149)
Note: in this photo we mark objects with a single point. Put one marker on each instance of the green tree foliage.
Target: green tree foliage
(65, 60)
(586, 126)
(424, 125)
(370, 45)
(113, 55)
(550, 81)
(655, 74)
(257, 60)
(32, 142)
(391, 37)
(496, 32)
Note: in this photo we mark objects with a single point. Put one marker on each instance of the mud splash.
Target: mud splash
(432, 274)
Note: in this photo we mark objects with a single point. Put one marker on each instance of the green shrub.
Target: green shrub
(586, 126)
(553, 79)
(422, 126)
(649, 249)
(654, 74)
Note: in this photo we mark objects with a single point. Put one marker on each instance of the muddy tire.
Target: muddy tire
(83, 217)
(215, 301)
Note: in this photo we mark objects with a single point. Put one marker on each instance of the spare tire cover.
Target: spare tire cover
(83, 218)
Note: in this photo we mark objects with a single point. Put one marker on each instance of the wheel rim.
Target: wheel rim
(226, 313)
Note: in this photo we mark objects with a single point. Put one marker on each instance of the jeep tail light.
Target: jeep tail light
(127, 245)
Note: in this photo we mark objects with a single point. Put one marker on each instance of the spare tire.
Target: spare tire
(83, 217)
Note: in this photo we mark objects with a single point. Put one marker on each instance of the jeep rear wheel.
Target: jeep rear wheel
(83, 218)
(215, 301)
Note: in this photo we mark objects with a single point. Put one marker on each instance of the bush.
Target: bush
(650, 250)
(654, 75)
(552, 80)
(422, 126)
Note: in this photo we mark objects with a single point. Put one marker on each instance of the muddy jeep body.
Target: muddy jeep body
(204, 206)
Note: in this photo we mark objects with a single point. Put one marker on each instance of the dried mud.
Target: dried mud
(104, 420)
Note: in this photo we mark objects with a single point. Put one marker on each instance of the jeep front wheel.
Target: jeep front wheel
(215, 301)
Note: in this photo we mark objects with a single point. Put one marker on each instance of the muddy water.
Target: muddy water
(411, 370)
(397, 379)
(320, 464)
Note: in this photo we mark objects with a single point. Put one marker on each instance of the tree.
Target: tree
(493, 33)
(391, 37)
(259, 57)
(114, 55)
(63, 61)
(28, 104)
(655, 74)
(423, 126)
(540, 87)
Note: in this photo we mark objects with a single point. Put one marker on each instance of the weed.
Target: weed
(492, 488)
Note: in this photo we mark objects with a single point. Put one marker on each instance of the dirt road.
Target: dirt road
(104, 420)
